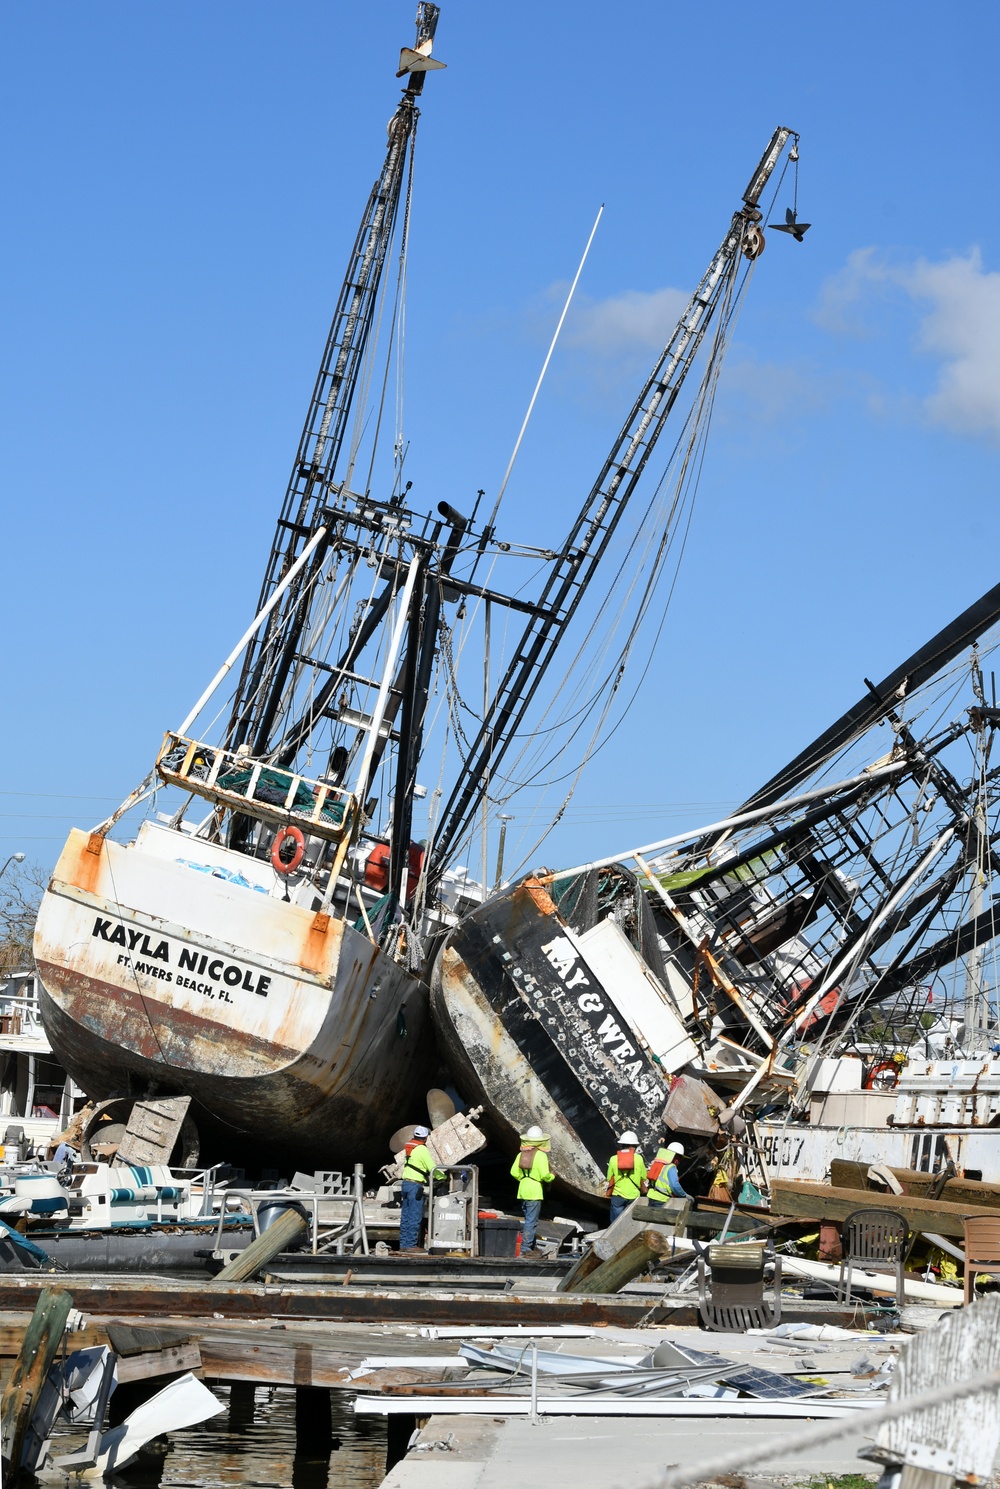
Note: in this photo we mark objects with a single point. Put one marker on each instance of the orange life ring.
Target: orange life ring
(877, 1077)
(279, 864)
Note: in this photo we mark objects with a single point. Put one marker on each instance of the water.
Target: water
(254, 1443)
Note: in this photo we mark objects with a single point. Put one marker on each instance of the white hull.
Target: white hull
(806, 1150)
(288, 1028)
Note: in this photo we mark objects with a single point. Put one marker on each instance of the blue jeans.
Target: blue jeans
(618, 1204)
(532, 1210)
(412, 1214)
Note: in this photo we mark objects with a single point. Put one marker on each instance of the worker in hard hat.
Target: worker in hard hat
(418, 1165)
(626, 1174)
(664, 1184)
(532, 1172)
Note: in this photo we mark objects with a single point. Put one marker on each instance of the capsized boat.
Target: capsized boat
(243, 959)
(554, 1017)
(819, 961)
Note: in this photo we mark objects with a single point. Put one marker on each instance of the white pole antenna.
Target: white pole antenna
(378, 713)
(252, 630)
(545, 368)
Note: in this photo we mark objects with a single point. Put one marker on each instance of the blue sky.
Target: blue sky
(182, 184)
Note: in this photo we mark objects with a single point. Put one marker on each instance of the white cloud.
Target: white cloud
(607, 346)
(614, 342)
(843, 298)
(632, 321)
(962, 327)
(959, 327)
(772, 392)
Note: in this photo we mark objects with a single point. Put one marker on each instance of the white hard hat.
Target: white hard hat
(535, 1134)
(421, 1132)
(676, 1148)
(629, 1139)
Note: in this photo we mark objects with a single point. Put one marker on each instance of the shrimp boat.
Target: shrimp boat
(234, 959)
(811, 980)
(262, 945)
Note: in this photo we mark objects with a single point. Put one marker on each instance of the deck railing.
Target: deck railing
(235, 780)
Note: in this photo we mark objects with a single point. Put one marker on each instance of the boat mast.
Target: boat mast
(880, 698)
(312, 488)
(599, 516)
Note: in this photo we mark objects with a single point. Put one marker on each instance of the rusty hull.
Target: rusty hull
(292, 1033)
(519, 1024)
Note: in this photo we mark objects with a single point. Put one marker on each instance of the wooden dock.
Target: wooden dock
(282, 1335)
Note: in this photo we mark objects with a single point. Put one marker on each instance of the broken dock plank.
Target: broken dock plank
(191, 1308)
(130, 1339)
(845, 1173)
(824, 1202)
(174, 1359)
(39, 1346)
(956, 1440)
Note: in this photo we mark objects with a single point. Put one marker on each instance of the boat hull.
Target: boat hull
(523, 1020)
(296, 1038)
(806, 1150)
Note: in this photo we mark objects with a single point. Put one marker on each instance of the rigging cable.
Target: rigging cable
(685, 488)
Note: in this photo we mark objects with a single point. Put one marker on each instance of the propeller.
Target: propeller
(792, 225)
(439, 1106)
(401, 1137)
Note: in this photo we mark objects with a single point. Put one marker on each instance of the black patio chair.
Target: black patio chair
(873, 1240)
(736, 1301)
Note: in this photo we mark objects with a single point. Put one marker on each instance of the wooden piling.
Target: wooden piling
(630, 1223)
(633, 1258)
(581, 1268)
(38, 1350)
(281, 1236)
(242, 1402)
(313, 1423)
(602, 1250)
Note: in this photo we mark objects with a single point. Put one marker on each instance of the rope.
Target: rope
(660, 535)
